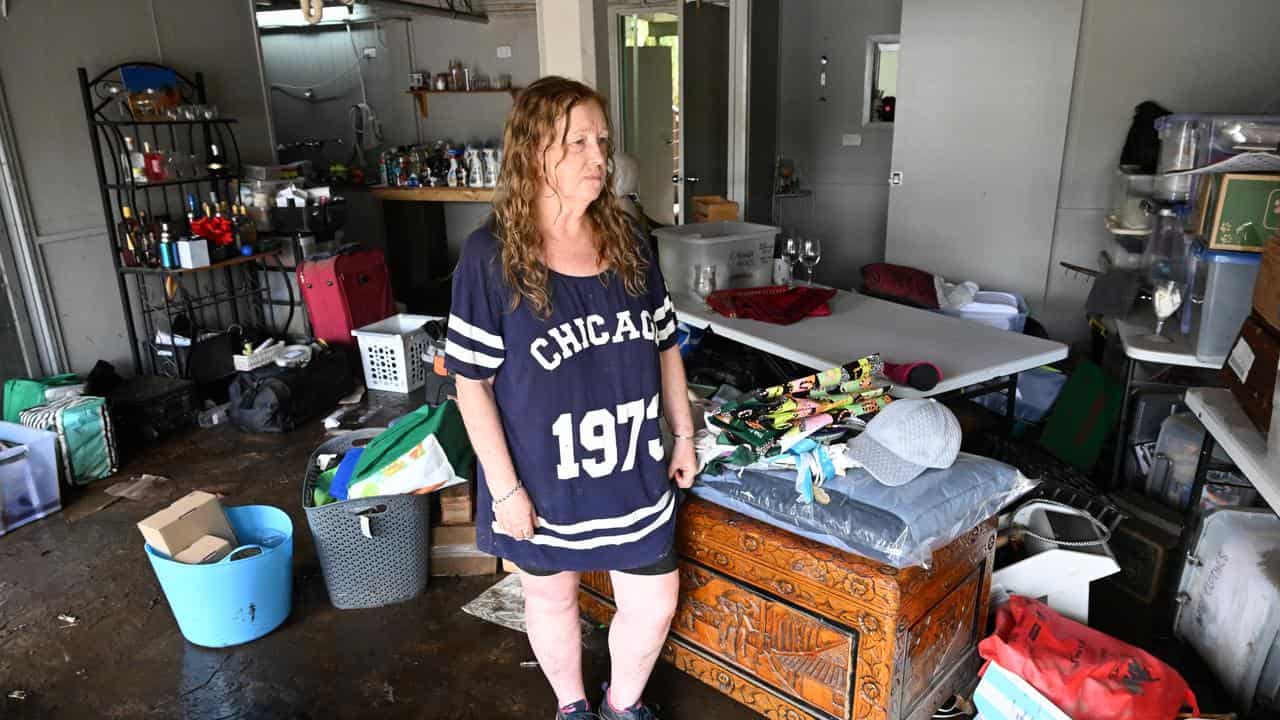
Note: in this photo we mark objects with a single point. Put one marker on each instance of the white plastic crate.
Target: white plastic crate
(392, 351)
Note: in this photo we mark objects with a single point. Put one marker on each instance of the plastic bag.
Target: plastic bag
(1089, 675)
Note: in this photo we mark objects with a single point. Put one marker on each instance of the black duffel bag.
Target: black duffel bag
(279, 399)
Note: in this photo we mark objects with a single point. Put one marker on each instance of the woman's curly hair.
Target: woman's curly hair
(528, 149)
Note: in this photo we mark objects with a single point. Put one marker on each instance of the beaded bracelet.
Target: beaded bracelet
(508, 496)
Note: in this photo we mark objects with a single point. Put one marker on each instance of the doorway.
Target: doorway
(647, 106)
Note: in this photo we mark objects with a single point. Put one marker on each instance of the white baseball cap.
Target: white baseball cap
(906, 438)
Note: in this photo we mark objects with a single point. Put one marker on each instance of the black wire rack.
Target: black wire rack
(211, 299)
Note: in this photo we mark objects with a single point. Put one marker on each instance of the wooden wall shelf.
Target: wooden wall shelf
(420, 95)
(435, 194)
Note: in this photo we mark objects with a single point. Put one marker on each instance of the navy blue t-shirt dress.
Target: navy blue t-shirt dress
(579, 395)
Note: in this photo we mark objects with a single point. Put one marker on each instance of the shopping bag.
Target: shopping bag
(23, 394)
(1087, 674)
(86, 439)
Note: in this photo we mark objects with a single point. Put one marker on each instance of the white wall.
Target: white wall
(1188, 55)
(41, 45)
(851, 192)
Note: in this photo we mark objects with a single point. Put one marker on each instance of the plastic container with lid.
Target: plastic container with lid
(1178, 143)
(1221, 136)
(1228, 296)
(742, 253)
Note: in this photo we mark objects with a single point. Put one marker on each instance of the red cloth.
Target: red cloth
(901, 284)
(1089, 675)
(773, 303)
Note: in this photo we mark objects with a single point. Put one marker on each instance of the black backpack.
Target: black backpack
(277, 399)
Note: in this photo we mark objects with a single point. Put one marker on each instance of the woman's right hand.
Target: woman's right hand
(516, 515)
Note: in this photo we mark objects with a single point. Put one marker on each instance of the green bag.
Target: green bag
(443, 422)
(86, 440)
(1086, 413)
(23, 394)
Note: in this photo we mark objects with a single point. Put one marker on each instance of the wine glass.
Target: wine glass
(1166, 297)
(790, 253)
(704, 282)
(810, 254)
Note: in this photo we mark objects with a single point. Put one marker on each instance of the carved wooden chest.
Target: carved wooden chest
(796, 629)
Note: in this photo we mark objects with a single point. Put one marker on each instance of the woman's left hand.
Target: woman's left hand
(684, 463)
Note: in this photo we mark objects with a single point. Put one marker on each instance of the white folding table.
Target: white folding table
(1226, 424)
(968, 353)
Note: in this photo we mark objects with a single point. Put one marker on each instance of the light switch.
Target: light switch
(851, 140)
(369, 53)
(504, 51)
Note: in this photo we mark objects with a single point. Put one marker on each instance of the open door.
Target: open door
(984, 88)
(704, 101)
(648, 95)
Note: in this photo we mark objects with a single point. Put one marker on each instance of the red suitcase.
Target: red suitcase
(345, 291)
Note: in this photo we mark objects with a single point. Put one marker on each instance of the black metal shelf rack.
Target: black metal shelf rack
(212, 298)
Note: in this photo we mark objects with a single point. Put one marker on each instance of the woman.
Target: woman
(563, 340)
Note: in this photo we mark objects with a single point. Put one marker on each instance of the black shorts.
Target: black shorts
(661, 566)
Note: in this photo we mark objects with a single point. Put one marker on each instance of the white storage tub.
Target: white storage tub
(742, 253)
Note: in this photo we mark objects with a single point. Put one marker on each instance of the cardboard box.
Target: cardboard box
(713, 208)
(178, 526)
(208, 549)
(1246, 212)
(462, 561)
(1266, 291)
(457, 505)
(453, 535)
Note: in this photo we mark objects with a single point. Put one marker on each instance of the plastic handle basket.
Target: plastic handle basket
(373, 551)
(266, 356)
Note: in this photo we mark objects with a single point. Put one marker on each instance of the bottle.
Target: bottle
(475, 170)
(125, 230)
(168, 251)
(128, 251)
(154, 162)
(136, 163)
(246, 230)
(146, 236)
(217, 165)
(490, 168)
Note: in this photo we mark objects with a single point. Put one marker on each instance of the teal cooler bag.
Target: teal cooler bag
(86, 441)
(22, 394)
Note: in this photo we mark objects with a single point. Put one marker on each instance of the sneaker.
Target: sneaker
(580, 710)
(639, 711)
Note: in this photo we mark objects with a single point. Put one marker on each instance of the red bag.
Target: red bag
(1089, 675)
(901, 284)
(345, 291)
(775, 304)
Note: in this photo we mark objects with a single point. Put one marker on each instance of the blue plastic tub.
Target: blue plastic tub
(234, 600)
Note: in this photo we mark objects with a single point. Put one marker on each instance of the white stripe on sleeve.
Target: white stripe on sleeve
(470, 357)
(471, 332)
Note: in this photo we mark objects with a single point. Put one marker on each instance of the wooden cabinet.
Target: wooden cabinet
(795, 629)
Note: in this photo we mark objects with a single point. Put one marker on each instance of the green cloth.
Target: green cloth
(1086, 413)
(23, 394)
(320, 494)
(444, 421)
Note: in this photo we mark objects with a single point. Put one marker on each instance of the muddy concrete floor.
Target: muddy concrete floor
(124, 658)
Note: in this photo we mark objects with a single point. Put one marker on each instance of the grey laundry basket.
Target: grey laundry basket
(360, 571)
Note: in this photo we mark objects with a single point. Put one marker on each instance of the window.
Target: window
(882, 80)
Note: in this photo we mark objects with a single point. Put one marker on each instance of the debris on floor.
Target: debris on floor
(69, 620)
(141, 488)
(18, 695)
(503, 604)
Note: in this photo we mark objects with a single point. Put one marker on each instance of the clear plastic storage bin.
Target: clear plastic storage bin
(1228, 296)
(28, 476)
(742, 253)
(1222, 136)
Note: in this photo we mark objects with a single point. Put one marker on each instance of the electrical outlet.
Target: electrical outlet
(369, 53)
(504, 51)
(851, 140)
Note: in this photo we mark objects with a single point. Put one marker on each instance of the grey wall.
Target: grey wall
(1187, 55)
(851, 195)
(762, 111)
(12, 362)
(41, 45)
(481, 116)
